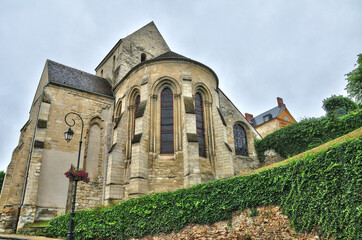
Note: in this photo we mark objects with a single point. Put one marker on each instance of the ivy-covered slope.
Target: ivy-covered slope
(305, 135)
(322, 189)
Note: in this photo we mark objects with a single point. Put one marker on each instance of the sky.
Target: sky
(260, 50)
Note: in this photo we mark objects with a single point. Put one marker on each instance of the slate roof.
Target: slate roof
(166, 56)
(74, 78)
(274, 112)
(171, 55)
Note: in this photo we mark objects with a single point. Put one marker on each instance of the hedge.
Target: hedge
(321, 190)
(338, 105)
(300, 137)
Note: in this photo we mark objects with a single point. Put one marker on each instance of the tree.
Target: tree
(2, 176)
(354, 78)
(338, 105)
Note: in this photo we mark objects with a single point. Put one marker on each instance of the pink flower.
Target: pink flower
(77, 175)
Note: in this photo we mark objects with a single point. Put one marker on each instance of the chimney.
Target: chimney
(248, 116)
(280, 102)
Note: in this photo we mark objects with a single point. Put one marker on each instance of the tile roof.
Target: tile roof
(274, 112)
(74, 78)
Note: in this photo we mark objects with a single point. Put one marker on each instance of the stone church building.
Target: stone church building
(154, 121)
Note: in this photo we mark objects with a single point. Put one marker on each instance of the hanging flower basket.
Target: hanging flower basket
(77, 175)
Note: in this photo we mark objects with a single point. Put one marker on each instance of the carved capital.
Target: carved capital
(177, 96)
(130, 107)
(208, 104)
(154, 97)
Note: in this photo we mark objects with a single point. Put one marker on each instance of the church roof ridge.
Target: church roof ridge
(61, 74)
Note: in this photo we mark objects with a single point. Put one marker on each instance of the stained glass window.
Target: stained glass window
(166, 121)
(135, 108)
(241, 146)
(199, 111)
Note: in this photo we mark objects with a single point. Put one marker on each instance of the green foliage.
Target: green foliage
(2, 176)
(354, 78)
(300, 137)
(322, 189)
(338, 105)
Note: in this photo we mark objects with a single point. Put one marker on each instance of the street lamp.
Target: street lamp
(68, 136)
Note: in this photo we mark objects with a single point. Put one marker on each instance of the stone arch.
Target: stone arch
(117, 113)
(133, 96)
(155, 113)
(118, 109)
(163, 82)
(207, 101)
(93, 154)
(203, 90)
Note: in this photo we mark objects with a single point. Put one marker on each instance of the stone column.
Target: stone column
(210, 134)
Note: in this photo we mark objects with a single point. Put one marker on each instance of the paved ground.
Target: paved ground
(23, 237)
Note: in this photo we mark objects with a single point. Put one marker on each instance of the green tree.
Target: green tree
(354, 78)
(338, 105)
(2, 176)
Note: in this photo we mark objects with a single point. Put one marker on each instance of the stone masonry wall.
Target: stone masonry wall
(184, 168)
(264, 223)
(47, 187)
(232, 116)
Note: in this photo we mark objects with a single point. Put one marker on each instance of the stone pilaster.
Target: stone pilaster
(28, 211)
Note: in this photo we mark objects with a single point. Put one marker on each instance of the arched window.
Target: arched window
(167, 146)
(143, 57)
(93, 151)
(136, 104)
(200, 130)
(241, 146)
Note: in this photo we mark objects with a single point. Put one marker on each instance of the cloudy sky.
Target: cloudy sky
(297, 50)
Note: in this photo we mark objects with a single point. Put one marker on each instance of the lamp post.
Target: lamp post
(68, 136)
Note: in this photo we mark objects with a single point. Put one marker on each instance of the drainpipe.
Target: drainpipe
(29, 158)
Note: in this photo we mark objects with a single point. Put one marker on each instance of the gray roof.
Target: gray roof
(74, 78)
(171, 55)
(165, 56)
(274, 112)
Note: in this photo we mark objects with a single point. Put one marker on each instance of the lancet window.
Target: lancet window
(167, 134)
(136, 104)
(200, 129)
(240, 141)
